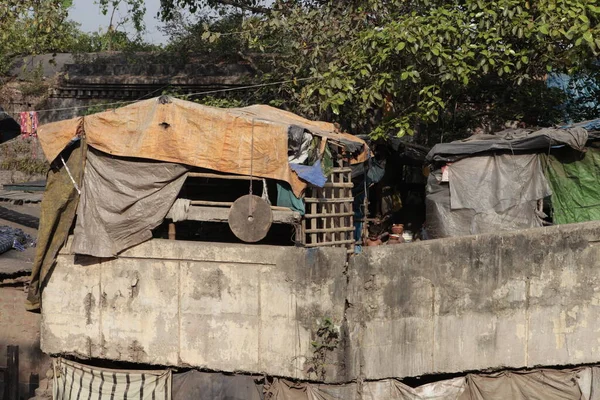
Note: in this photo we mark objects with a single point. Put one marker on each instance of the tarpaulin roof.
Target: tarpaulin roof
(251, 140)
(510, 140)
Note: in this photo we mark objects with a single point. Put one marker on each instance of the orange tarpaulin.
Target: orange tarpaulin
(251, 140)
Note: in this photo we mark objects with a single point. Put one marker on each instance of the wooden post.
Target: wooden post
(172, 231)
(11, 391)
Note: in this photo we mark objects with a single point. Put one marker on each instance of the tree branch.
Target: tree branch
(254, 9)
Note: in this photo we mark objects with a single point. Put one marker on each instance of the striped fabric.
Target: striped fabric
(74, 381)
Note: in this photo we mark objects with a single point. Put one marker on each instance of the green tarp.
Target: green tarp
(575, 182)
(58, 209)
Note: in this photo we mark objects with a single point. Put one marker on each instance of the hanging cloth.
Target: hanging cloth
(33, 117)
(29, 123)
(24, 120)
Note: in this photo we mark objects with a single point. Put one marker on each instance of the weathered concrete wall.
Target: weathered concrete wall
(215, 306)
(517, 299)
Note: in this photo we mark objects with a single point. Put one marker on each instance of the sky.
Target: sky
(88, 14)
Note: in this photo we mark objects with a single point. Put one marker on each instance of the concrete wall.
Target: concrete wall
(21, 328)
(516, 299)
(215, 306)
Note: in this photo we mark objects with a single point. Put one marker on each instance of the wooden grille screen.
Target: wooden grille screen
(329, 216)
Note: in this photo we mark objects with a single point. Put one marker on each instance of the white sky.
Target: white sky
(88, 14)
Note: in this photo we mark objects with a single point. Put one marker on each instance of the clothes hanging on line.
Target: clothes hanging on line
(29, 123)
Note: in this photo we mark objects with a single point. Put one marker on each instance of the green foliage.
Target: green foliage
(327, 339)
(438, 68)
(30, 27)
(397, 67)
(220, 38)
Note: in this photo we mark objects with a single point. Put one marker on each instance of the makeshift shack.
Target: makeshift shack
(118, 175)
(393, 187)
(491, 183)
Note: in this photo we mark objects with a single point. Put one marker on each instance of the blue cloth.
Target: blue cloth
(312, 174)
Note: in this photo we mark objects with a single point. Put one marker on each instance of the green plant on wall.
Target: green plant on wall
(17, 155)
(327, 338)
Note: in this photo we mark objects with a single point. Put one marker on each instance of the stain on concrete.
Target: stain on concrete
(89, 303)
(213, 283)
(136, 351)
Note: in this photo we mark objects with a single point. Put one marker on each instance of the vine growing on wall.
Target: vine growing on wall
(327, 338)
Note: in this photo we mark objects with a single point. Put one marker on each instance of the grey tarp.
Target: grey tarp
(486, 194)
(510, 140)
(57, 213)
(122, 200)
(540, 384)
(524, 385)
(209, 386)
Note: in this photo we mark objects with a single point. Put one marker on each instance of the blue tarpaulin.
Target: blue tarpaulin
(312, 174)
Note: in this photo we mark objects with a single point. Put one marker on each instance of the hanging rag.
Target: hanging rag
(33, 117)
(29, 123)
(179, 210)
(25, 122)
(312, 174)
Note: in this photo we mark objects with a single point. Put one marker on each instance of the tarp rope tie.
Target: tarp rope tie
(251, 168)
(70, 176)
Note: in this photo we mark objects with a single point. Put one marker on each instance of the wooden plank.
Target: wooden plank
(221, 214)
(337, 214)
(303, 225)
(228, 204)
(331, 230)
(329, 243)
(340, 200)
(313, 224)
(341, 169)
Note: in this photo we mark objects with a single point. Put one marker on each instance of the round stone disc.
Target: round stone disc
(250, 218)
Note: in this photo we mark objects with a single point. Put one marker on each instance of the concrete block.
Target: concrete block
(220, 342)
(71, 302)
(139, 310)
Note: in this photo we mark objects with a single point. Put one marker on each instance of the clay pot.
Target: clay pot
(397, 229)
(373, 241)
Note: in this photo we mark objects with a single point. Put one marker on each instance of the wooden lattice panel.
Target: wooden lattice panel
(329, 216)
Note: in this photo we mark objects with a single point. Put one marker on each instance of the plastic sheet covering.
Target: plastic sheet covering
(312, 174)
(234, 140)
(78, 381)
(524, 385)
(299, 142)
(486, 194)
(540, 384)
(198, 385)
(122, 200)
(575, 182)
(510, 140)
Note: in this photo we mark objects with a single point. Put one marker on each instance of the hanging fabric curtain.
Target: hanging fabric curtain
(78, 381)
